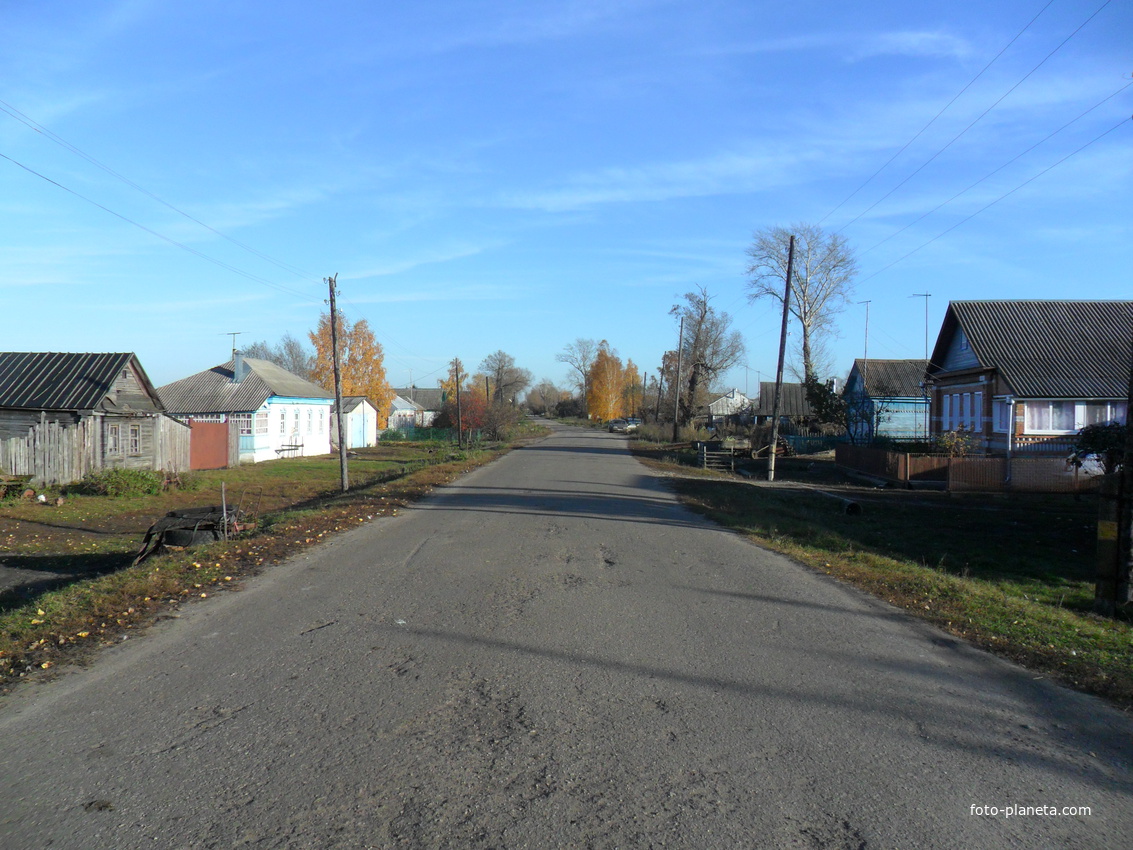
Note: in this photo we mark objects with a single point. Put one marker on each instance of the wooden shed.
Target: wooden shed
(64, 415)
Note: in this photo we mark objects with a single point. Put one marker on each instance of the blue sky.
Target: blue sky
(514, 175)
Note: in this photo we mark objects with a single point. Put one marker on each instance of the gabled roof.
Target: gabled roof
(350, 403)
(50, 380)
(400, 402)
(792, 403)
(891, 378)
(430, 398)
(213, 391)
(1046, 349)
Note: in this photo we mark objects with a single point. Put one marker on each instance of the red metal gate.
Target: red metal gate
(208, 445)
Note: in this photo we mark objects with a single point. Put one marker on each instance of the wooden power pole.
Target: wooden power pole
(677, 385)
(332, 282)
(779, 371)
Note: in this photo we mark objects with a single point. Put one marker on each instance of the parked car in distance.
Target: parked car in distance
(618, 426)
(633, 424)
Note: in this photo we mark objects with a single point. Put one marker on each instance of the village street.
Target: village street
(552, 652)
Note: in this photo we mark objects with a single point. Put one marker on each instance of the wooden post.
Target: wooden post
(677, 385)
(779, 371)
(332, 283)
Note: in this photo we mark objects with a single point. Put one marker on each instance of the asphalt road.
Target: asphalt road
(553, 653)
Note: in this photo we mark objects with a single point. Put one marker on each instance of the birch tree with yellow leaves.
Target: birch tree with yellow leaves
(361, 362)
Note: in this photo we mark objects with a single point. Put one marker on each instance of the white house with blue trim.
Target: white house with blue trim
(273, 412)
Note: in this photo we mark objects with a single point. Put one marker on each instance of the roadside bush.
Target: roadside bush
(121, 482)
(391, 435)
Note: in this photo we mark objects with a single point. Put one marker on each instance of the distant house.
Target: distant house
(427, 403)
(269, 411)
(887, 398)
(731, 406)
(360, 423)
(1027, 375)
(65, 415)
(404, 414)
(793, 404)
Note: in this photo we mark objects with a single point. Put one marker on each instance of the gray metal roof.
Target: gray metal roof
(1047, 349)
(792, 403)
(213, 390)
(430, 398)
(50, 380)
(892, 378)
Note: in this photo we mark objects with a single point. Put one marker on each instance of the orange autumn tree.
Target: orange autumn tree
(361, 362)
(606, 380)
(632, 390)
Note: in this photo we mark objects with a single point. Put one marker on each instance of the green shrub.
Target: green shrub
(391, 435)
(122, 482)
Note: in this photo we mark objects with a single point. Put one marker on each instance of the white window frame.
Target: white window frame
(134, 440)
(113, 439)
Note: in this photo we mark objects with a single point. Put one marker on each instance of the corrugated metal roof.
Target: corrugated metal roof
(49, 380)
(1049, 349)
(429, 398)
(212, 391)
(892, 378)
(792, 403)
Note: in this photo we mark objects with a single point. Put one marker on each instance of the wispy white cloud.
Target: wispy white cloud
(439, 292)
(725, 173)
(922, 43)
(441, 255)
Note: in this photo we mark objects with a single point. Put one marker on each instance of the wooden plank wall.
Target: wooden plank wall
(58, 453)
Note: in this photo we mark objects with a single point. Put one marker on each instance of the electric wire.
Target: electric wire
(932, 121)
(1000, 198)
(59, 140)
(991, 174)
(978, 118)
(163, 237)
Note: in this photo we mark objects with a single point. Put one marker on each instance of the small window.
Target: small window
(322, 419)
(283, 423)
(262, 422)
(135, 444)
(113, 446)
(243, 422)
(310, 421)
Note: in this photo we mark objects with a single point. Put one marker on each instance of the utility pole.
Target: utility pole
(459, 423)
(865, 355)
(677, 385)
(925, 296)
(782, 357)
(332, 283)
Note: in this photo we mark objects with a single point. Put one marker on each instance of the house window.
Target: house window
(977, 417)
(113, 446)
(1099, 412)
(946, 413)
(262, 422)
(283, 423)
(322, 418)
(243, 422)
(135, 444)
(1049, 417)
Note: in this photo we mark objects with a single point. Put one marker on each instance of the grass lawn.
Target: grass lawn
(74, 589)
(1013, 574)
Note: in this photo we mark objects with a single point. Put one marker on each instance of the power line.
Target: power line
(59, 140)
(162, 236)
(997, 170)
(945, 108)
(997, 200)
(978, 118)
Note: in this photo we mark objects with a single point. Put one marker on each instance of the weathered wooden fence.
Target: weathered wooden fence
(984, 474)
(58, 453)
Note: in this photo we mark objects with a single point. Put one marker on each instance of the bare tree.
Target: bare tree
(709, 347)
(579, 355)
(289, 353)
(508, 380)
(821, 282)
(543, 397)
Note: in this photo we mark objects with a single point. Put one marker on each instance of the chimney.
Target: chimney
(239, 368)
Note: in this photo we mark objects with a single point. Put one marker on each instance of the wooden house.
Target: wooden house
(1026, 376)
(886, 398)
(269, 412)
(793, 405)
(64, 415)
(733, 407)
